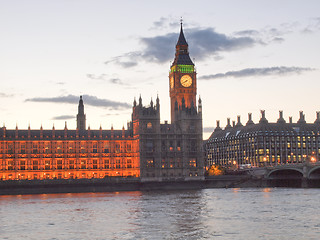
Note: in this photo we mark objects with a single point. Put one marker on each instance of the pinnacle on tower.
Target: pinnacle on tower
(81, 117)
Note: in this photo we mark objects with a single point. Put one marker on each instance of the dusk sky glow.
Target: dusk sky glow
(249, 56)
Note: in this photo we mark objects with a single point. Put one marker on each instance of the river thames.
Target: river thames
(266, 213)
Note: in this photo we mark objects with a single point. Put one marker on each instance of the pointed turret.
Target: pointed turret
(158, 103)
(140, 101)
(134, 102)
(182, 51)
(182, 39)
(81, 117)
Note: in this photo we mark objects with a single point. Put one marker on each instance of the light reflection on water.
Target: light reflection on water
(198, 214)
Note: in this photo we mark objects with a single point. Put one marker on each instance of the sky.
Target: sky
(249, 55)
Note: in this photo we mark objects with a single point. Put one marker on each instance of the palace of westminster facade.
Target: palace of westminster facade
(147, 149)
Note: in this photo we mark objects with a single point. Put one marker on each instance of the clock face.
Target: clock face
(171, 82)
(186, 81)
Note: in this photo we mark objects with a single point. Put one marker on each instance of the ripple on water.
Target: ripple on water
(199, 214)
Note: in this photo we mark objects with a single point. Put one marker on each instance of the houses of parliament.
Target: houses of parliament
(147, 149)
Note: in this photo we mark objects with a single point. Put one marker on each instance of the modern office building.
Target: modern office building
(264, 143)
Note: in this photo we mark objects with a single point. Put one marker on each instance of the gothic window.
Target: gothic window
(129, 163)
(178, 145)
(117, 148)
(71, 148)
(22, 165)
(95, 147)
(47, 147)
(171, 163)
(163, 163)
(118, 163)
(106, 148)
(179, 163)
(34, 148)
(149, 125)
(23, 148)
(35, 165)
(171, 146)
(83, 147)
(83, 164)
(149, 146)
(95, 164)
(10, 148)
(10, 165)
(59, 164)
(59, 147)
(129, 147)
(150, 163)
(71, 164)
(163, 145)
(47, 165)
(193, 146)
(106, 164)
(193, 162)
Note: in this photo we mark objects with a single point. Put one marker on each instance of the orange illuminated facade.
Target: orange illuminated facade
(64, 154)
(147, 149)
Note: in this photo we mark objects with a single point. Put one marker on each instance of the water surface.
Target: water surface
(276, 213)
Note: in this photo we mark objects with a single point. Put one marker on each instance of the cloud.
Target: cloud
(116, 81)
(63, 117)
(205, 43)
(164, 23)
(313, 26)
(278, 39)
(104, 77)
(249, 32)
(88, 100)
(257, 72)
(5, 95)
(126, 60)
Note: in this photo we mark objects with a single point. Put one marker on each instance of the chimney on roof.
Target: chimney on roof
(318, 117)
(218, 126)
(263, 117)
(290, 119)
(281, 119)
(228, 124)
(249, 119)
(239, 124)
(302, 118)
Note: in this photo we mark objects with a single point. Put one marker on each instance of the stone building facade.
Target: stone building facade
(147, 149)
(264, 143)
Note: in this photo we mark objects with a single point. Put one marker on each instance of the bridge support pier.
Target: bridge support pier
(304, 182)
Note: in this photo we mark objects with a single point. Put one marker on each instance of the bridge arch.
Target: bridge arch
(314, 173)
(287, 173)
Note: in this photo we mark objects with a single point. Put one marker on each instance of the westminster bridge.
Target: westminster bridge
(305, 174)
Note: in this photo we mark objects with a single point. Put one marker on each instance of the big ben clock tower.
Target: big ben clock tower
(182, 78)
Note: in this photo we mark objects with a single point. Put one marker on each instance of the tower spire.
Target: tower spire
(81, 117)
(182, 77)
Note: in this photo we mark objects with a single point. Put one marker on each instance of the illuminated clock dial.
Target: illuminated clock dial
(186, 81)
(171, 82)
